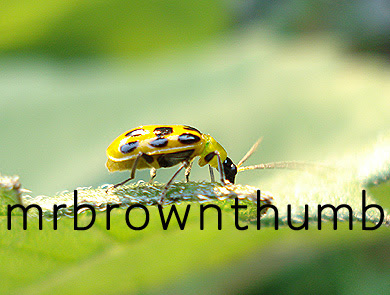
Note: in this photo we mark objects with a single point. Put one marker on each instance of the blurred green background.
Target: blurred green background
(312, 77)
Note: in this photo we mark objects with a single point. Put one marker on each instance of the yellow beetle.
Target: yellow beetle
(161, 146)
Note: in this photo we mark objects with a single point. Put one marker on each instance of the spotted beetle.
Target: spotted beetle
(161, 146)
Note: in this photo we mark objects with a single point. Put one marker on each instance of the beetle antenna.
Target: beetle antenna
(250, 152)
(293, 165)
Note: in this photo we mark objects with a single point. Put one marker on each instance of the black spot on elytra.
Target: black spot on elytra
(188, 138)
(147, 158)
(209, 157)
(192, 129)
(129, 147)
(135, 132)
(159, 142)
(172, 159)
(161, 131)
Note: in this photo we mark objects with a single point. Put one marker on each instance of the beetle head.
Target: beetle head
(230, 170)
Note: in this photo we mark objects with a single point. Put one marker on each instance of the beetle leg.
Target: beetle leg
(188, 171)
(185, 164)
(132, 175)
(211, 174)
(220, 169)
(152, 175)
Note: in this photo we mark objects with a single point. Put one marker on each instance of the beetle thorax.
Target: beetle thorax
(208, 156)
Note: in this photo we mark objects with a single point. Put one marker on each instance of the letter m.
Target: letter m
(24, 209)
(335, 210)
